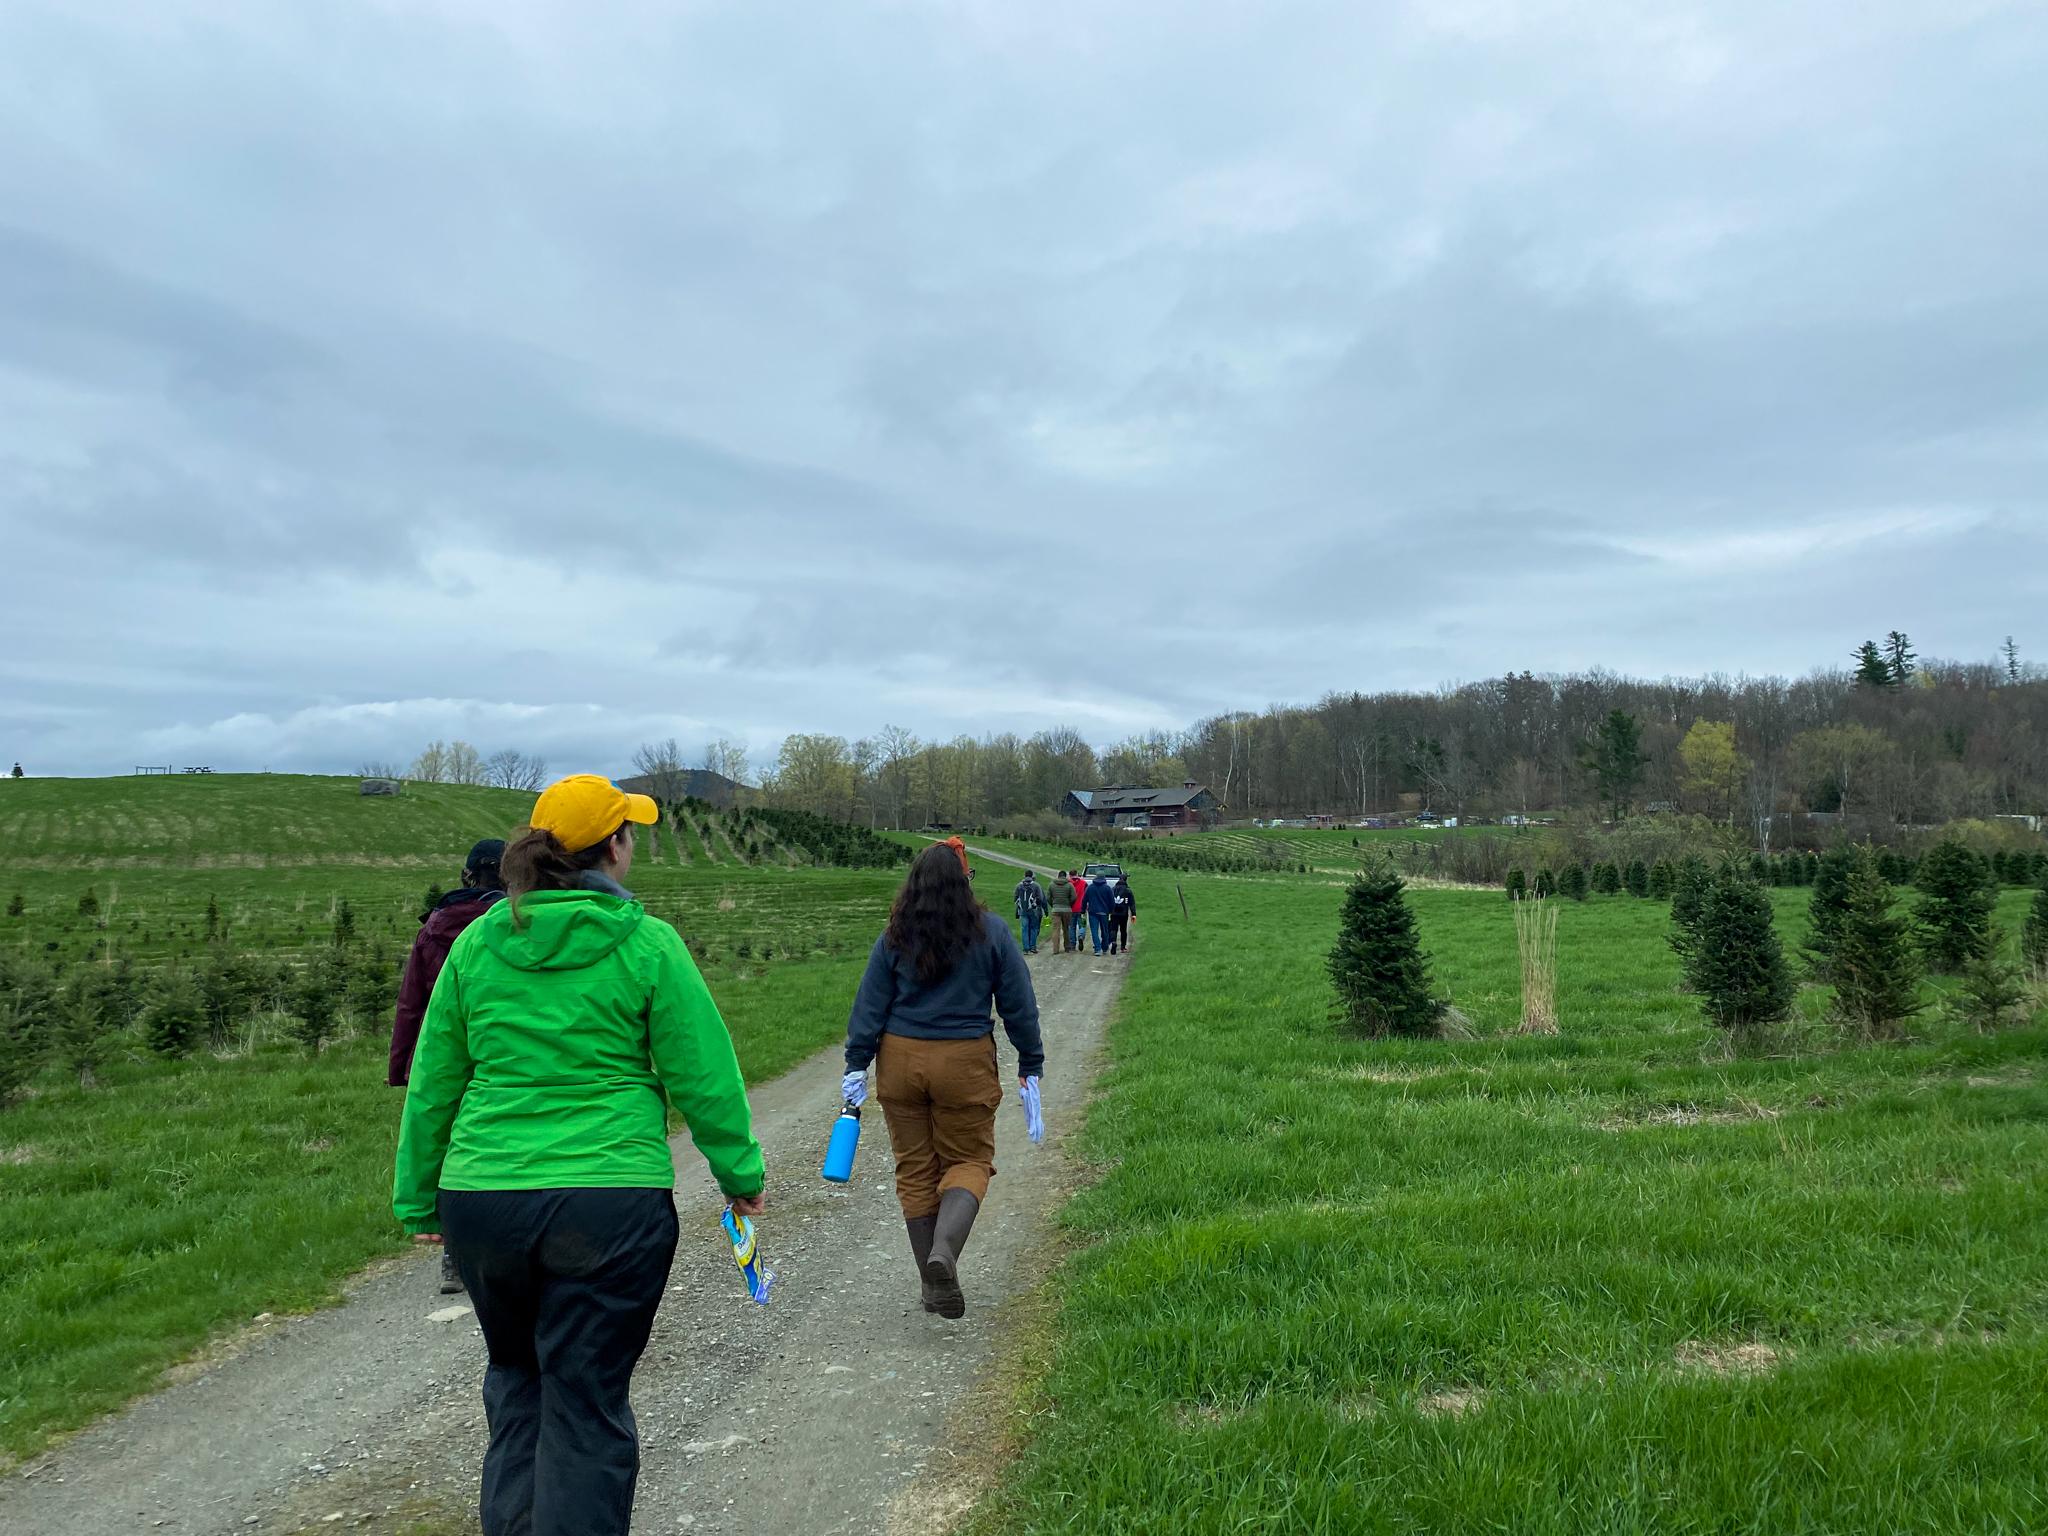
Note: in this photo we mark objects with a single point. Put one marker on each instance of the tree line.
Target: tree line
(1926, 742)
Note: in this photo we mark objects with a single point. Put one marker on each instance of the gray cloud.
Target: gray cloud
(560, 377)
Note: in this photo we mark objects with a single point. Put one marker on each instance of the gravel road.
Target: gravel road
(833, 1409)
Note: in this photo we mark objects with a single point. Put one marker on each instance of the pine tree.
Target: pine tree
(316, 1002)
(1377, 965)
(1738, 967)
(1688, 895)
(89, 903)
(1661, 878)
(1606, 878)
(1872, 671)
(1616, 758)
(83, 1024)
(1517, 884)
(431, 900)
(1828, 907)
(1989, 991)
(1572, 882)
(1955, 906)
(212, 918)
(2011, 652)
(2034, 932)
(1759, 869)
(1898, 657)
(176, 1017)
(1876, 965)
(28, 1009)
(1637, 880)
(18, 905)
(344, 925)
(1546, 883)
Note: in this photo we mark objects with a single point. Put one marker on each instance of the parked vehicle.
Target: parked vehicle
(1114, 871)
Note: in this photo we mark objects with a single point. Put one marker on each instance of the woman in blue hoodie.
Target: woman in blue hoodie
(922, 1016)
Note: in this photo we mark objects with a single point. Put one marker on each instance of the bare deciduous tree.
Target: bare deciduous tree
(661, 764)
(510, 769)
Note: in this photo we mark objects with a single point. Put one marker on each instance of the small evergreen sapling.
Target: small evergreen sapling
(1738, 966)
(89, 903)
(2034, 932)
(212, 919)
(1606, 878)
(1637, 879)
(175, 1018)
(344, 925)
(1377, 965)
(1827, 908)
(18, 905)
(1517, 884)
(316, 1002)
(1572, 882)
(1956, 899)
(1990, 991)
(28, 1009)
(1546, 883)
(1662, 877)
(1876, 964)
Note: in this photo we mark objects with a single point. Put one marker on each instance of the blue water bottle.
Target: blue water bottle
(845, 1142)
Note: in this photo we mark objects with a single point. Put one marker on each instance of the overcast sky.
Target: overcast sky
(559, 376)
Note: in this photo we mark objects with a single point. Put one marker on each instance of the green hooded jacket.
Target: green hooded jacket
(545, 1052)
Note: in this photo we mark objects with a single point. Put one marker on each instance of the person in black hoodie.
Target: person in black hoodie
(482, 888)
(1123, 906)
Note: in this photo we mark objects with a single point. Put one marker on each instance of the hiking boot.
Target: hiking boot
(920, 1230)
(957, 1210)
(451, 1277)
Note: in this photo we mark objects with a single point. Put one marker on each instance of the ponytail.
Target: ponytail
(535, 860)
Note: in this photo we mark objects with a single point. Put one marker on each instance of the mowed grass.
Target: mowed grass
(1609, 1281)
(170, 1201)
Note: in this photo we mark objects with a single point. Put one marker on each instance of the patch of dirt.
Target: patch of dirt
(1750, 1358)
(1741, 1112)
(17, 1157)
(1452, 1404)
(1407, 1074)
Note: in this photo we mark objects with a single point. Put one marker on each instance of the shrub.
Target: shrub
(1956, 899)
(175, 1018)
(1874, 962)
(1636, 880)
(1738, 966)
(1546, 883)
(1517, 883)
(89, 903)
(2034, 932)
(1606, 878)
(1990, 990)
(1573, 882)
(17, 905)
(1662, 878)
(28, 1006)
(1377, 965)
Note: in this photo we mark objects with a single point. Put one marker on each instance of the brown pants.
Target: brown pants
(940, 1098)
(1057, 922)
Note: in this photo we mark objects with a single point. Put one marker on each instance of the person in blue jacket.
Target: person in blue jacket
(1097, 905)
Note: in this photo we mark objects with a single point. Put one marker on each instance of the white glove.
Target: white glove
(1034, 1112)
(854, 1088)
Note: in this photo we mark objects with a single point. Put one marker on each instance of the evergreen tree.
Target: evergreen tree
(17, 906)
(1812, 868)
(1572, 882)
(229, 989)
(1637, 880)
(1990, 990)
(176, 1017)
(2011, 652)
(1738, 967)
(1517, 884)
(84, 1022)
(89, 903)
(1606, 878)
(344, 925)
(1898, 657)
(1546, 883)
(316, 1002)
(1876, 965)
(1661, 878)
(28, 1010)
(1828, 907)
(431, 900)
(212, 918)
(1688, 897)
(1377, 965)
(2034, 932)
(1759, 869)
(1617, 760)
(1872, 671)
(1955, 906)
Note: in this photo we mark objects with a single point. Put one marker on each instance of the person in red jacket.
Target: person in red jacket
(482, 888)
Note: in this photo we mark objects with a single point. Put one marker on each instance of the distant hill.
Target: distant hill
(222, 819)
(697, 784)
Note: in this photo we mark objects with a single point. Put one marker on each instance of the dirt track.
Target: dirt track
(818, 1413)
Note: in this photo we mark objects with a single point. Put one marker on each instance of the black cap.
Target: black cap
(486, 855)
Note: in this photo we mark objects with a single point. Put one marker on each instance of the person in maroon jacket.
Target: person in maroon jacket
(482, 888)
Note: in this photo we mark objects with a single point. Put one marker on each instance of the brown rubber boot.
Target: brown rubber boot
(957, 1210)
(920, 1229)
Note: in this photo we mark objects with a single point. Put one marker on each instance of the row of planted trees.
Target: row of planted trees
(1658, 879)
(76, 1016)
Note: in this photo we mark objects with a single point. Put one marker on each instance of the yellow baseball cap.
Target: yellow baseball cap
(586, 808)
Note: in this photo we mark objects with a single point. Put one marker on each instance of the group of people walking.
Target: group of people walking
(1104, 905)
(546, 1025)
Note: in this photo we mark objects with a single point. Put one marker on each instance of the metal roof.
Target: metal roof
(1127, 798)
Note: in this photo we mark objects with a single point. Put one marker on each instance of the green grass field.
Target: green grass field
(172, 1199)
(1608, 1281)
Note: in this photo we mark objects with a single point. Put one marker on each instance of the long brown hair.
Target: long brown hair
(936, 918)
(535, 860)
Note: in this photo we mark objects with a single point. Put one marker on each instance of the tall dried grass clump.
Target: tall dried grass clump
(1536, 942)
